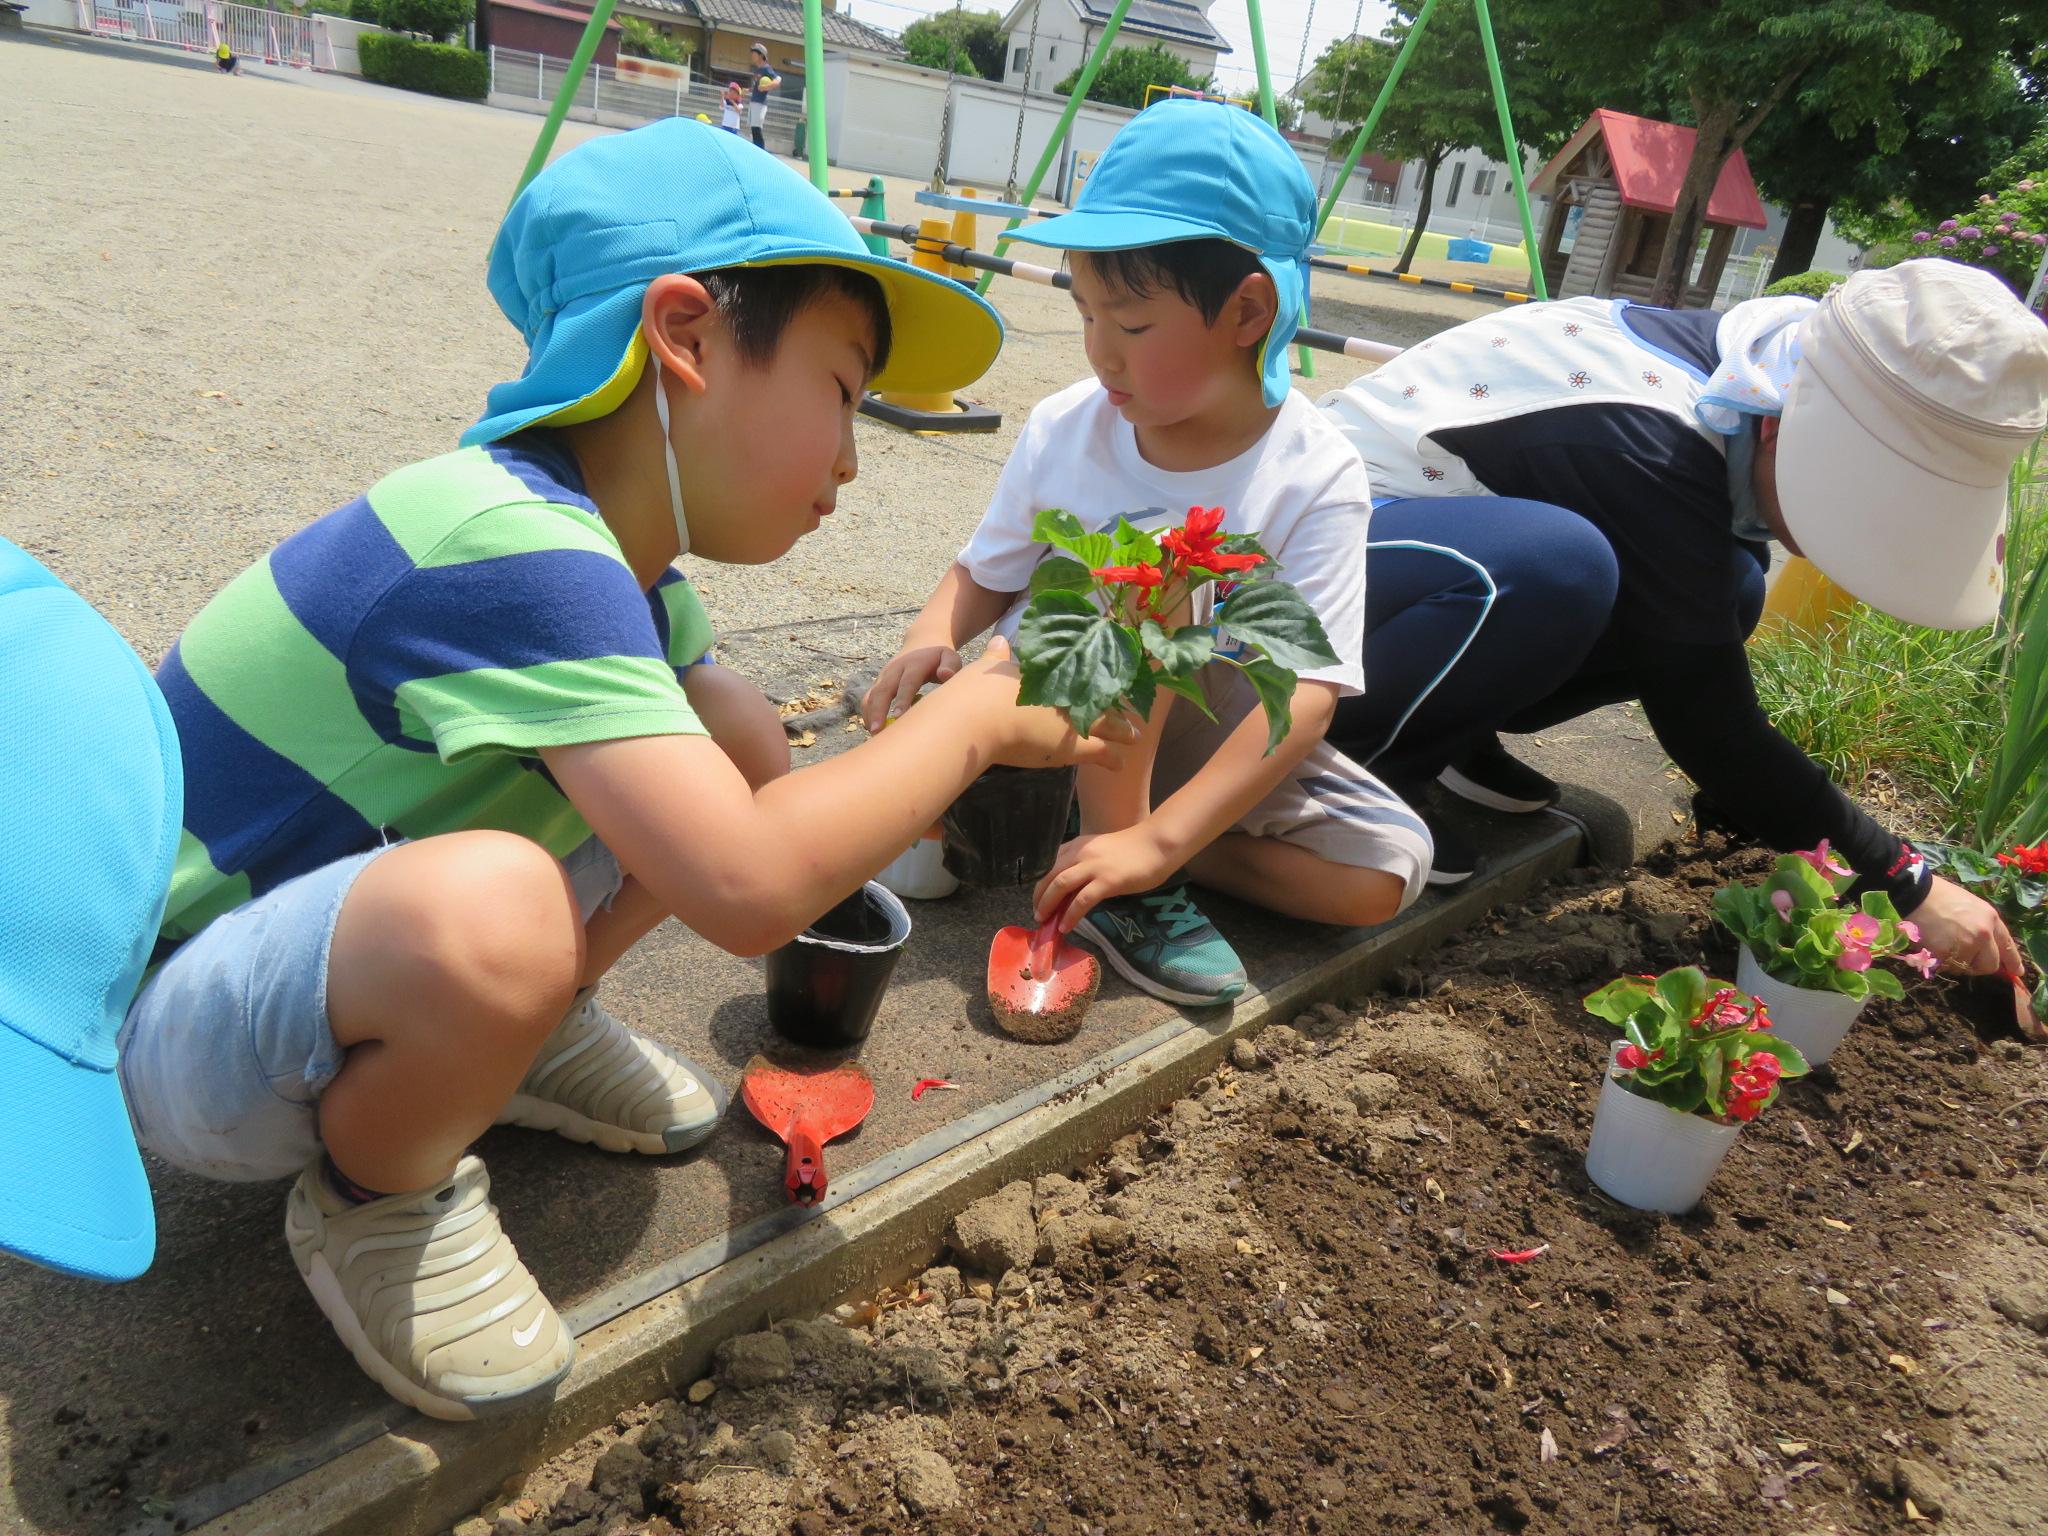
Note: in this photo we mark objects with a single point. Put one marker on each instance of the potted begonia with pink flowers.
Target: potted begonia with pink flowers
(1697, 1061)
(1810, 955)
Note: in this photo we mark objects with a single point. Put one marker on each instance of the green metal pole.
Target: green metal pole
(1372, 120)
(1266, 108)
(1305, 364)
(875, 206)
(814, 89)
(586, 50)
(1509, 148)
(1059, 132)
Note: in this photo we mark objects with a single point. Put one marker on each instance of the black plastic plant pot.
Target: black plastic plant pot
(825, 986)
(1007, 826)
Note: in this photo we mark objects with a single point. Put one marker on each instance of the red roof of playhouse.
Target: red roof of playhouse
(1649, 167)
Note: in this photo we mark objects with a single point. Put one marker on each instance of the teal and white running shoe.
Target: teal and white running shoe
(1161, 943)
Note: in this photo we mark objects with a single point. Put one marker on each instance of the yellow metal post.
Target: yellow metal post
(932, 237)
(963, 236)
(1802, 598)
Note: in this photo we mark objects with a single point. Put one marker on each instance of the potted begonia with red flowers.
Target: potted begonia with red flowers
(1697, 1060)
(1115, 617)
(2015, 881)
(1810, 955)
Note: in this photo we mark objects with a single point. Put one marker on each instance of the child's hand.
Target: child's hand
(1031, 736)
(1090, 870)
(907, 671)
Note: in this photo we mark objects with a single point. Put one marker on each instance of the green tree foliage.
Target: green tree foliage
(970, 43)
(1729, 65)
(1960, 118)
(643, 40)
(1443, 101)
(1126, 72)
(436, 19)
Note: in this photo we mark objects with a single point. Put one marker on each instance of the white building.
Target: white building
(1068, 29)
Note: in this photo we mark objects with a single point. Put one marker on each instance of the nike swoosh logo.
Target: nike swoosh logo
(521, 1337)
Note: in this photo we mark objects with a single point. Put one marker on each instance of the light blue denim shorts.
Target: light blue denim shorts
(227, 1048)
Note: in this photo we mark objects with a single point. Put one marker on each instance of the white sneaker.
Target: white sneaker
(595, 1080)
(428, 1294)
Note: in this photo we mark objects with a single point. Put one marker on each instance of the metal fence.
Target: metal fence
(276, 37)
(521, 79)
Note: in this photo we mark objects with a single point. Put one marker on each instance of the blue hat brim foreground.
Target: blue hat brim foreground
(75, 1198)
(1085, 230)
(572, 261)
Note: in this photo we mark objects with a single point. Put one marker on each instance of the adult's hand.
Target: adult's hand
(1964, 932)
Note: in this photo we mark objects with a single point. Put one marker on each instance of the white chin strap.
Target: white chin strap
(668, 453)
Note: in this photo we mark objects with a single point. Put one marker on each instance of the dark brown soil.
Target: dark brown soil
(1277, 1311)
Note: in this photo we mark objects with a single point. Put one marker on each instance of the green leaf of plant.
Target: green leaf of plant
(1063, 530)
(2036, 946)
(1143, 690)
(1132, 545)
(1713, 1065)
(1684, 992)
(1618, 1000)
(1183, 651)
(1275, 687)
(1074, 658)
(1883, 984)
(1735, 908)
(2029, 894)
(1188, 688)
(1059, 573)
(1276, 619)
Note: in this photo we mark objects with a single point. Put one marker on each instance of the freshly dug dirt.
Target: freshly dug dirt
(1278, 1309)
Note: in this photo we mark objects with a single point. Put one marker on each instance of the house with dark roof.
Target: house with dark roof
(1049, 39)
(721, 33)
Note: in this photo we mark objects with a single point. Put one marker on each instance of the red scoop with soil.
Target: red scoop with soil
(1039, 983)
(806, 1110)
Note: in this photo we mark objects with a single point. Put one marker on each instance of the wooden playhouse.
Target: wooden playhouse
(1612, 189)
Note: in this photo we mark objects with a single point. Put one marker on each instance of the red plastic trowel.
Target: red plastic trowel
(805, 1110)
(1039, 983)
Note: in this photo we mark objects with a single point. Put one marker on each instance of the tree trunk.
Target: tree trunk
(1803, 227)
(1711, 147)
(1422, 201)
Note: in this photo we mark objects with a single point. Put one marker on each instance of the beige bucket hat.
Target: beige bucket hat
(1917, 388)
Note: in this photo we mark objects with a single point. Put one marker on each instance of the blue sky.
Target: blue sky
(1327, 20)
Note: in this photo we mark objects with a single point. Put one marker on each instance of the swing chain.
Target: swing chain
(1023, 97)
(945, 145)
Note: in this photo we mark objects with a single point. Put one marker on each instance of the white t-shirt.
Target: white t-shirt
(1301, 488)
(730, 118)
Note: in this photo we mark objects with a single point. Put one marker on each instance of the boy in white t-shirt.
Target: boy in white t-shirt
(1190, 271)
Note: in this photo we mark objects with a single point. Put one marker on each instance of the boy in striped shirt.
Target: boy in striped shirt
(453, 748)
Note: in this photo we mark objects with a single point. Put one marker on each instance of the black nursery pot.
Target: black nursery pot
(825, 986)
(1007, 826)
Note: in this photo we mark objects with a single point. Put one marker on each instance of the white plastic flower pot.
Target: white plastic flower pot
(1651, 1157)
(1813, 1022)
(921, 873)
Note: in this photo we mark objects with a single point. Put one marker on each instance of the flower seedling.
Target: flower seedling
(1797, 928)
(1695, 1045)
(1101, 632)
(2016, 883)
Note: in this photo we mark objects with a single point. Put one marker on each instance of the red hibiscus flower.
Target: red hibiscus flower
(2028, 861)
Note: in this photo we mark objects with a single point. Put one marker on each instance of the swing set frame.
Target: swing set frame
(814, 78)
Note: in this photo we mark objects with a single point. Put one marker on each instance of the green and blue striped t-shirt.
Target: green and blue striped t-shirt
(392, 670)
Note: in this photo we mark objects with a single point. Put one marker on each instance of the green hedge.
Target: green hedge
(1805, 285)
(435, 68)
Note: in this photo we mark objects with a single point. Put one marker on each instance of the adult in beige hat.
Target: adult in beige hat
(1574, 506)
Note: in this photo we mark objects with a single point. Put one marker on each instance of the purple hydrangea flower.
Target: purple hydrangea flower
(2039, 239)
(2010, 216)
(1971, 232)
(1946, 225)
(1991, 250)
(1921, 237)
(2026, 186)
(1948, 242)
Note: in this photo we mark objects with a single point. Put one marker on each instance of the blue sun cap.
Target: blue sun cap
(1201, 170)
(580, 244)
(94, 790)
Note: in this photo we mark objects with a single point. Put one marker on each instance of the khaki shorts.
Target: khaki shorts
(1328, 804)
